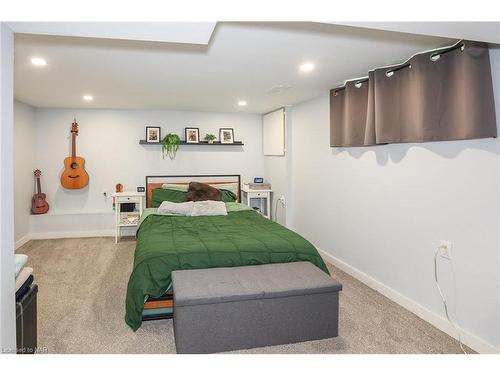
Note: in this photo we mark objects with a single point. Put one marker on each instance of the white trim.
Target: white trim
(431, 317)
(80, 234)
(20, 242)
(59, 213)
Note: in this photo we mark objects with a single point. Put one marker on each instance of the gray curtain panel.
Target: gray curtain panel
(435, 96)
(352, 115)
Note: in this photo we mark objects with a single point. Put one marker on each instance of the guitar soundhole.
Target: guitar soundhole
(74, 165)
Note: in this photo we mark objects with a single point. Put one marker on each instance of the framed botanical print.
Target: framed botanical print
(153, 134)
(192, 135)
(226, 135)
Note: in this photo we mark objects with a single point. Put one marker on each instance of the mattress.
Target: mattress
(23, 275)
(24, 288)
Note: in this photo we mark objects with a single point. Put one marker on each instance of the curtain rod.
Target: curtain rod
(437, 51)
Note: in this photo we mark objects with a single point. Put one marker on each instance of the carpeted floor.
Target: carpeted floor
(81, 308)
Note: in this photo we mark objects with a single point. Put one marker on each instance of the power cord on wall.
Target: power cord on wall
(279, 200)
(438, 250)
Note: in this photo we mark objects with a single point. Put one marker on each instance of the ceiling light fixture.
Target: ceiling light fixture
(38, 61)
(307, 67)
(242, 103)
(88, 98)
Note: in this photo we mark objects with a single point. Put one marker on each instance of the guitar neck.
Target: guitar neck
(38, 188)
(73, 145)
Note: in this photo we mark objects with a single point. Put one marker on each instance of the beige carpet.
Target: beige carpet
(81, 308)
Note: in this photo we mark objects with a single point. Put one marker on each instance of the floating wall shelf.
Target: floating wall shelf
(202, 143)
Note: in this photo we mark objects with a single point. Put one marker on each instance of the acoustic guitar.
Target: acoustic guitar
(39, 203)
(74, 175)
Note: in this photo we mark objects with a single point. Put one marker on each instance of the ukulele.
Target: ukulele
(39, 203)
(74, 175)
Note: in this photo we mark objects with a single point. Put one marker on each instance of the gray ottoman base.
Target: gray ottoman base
(204, 324)
(248, 324)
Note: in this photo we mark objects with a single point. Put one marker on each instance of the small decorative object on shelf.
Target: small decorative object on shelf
(226, 135)
(141, 189)
(118, 188)
(170, 145)
(192, 135)
(210, 138)
(153, 134)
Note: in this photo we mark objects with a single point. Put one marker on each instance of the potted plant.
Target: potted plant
(210, 138)
(170, 144)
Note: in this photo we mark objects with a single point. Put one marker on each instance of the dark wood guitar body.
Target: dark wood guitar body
(74, 175)
(39, 203)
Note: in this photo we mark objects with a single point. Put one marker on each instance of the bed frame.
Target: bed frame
(154, 182)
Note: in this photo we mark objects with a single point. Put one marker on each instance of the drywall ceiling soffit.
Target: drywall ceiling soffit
(168, 32)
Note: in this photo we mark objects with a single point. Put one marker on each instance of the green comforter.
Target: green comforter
(169, 243)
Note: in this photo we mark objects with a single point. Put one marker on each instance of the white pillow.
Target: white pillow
(209, 208)
(171, 208)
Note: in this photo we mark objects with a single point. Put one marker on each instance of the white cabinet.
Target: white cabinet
(127, 219)
(258, 198)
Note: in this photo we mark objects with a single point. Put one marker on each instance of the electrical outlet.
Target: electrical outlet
(445, 249)
(282, 198)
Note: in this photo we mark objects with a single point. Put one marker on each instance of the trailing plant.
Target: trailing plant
(170, 145)
(210, 138)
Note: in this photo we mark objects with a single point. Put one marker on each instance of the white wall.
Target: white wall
(383, 210)
(275, 172)
(7, 307)
(24, 165)
(109, 142)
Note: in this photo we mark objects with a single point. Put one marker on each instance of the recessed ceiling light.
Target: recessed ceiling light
(88, 98)
(307, 67)
(38, 61)
(242, 103)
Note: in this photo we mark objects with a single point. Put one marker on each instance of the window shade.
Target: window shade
(435, 96)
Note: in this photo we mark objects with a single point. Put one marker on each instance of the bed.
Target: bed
(168, 243)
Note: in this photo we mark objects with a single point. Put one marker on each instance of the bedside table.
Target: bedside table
(122, 220)
(264, 197)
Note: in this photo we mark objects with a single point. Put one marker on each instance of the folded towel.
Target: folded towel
(20, 260)
(23, 276)
(209, 208)
(171, 208)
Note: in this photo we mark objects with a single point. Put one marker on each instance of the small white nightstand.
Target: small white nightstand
(263, 195)
(122, 220)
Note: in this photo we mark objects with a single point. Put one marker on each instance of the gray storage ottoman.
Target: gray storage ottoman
(221, 309)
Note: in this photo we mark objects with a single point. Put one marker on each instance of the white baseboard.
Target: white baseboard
(429, 316)
(55, 235)
(20, 242)
(76, 234)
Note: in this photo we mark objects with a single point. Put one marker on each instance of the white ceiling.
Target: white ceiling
(242, 61)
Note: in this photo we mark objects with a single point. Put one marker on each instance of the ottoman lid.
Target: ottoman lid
(215, 285)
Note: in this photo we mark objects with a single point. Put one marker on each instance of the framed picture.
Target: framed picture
(226, 135)
(153, 134)
(192, 135)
